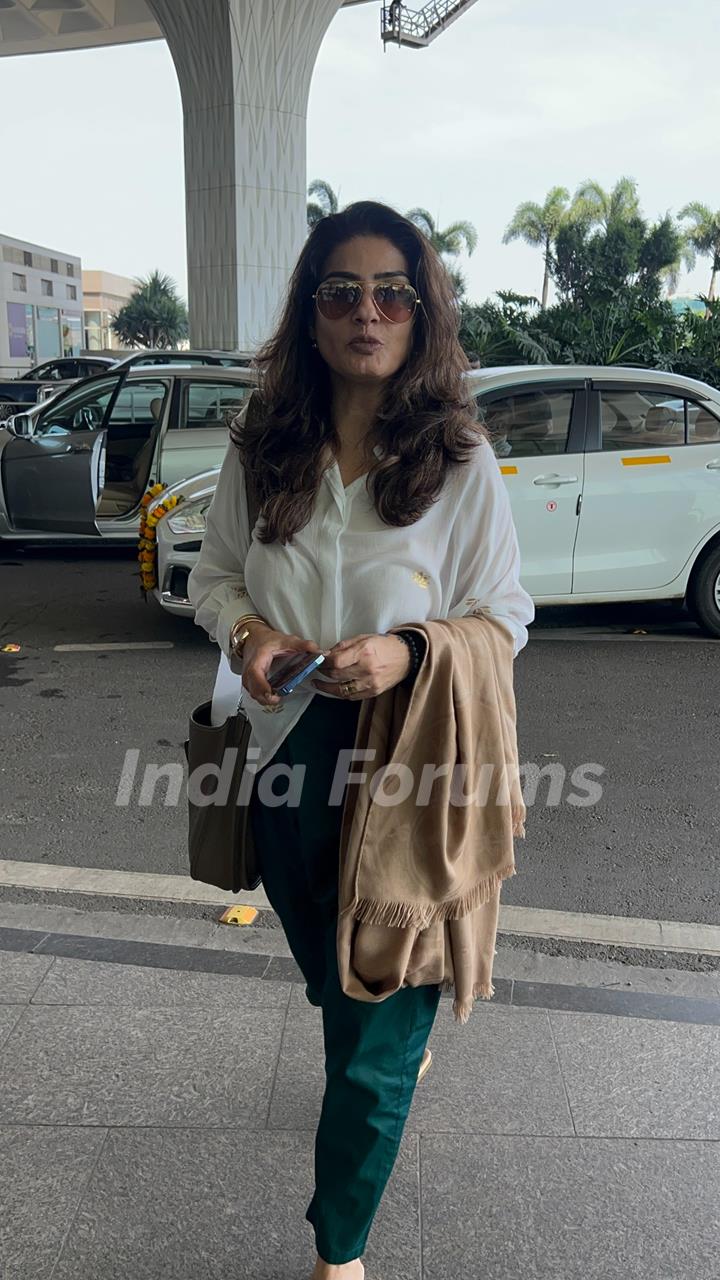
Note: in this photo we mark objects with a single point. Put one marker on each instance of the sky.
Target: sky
(516, 97)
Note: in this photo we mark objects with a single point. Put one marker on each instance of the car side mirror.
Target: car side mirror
(20, 424)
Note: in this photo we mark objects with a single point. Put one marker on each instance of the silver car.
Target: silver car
(77, 468)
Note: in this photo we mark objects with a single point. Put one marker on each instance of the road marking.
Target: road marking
(536, 922)
(148, 644)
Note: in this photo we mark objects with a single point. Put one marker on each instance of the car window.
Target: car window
(162, 357)
(529, 424)
(88, 368)
(703, 424)
(149, 358)
(61, 370)
(40, 371)
(210, 404)
(80, 409)
(641, 420)
(53, 371)
(139, 403)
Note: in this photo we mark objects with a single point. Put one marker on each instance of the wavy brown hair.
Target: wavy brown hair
(427, 422)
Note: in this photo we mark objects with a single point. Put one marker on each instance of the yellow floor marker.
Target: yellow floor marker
(238, 915)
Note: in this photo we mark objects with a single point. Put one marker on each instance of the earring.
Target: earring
(313, 344)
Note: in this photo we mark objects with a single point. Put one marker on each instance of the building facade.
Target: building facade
(104, 295)
(41, 305)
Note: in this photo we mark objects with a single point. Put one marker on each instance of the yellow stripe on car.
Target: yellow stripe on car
(508, 471)
(640, 461)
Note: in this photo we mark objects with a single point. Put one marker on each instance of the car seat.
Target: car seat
(119, 498)
(143, 457)
(663, 428)
(707, 426)
(530, 422)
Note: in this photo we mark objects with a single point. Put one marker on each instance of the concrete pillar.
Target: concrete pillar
(244, 68)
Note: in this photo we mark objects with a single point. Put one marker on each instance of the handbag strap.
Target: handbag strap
(253, 503)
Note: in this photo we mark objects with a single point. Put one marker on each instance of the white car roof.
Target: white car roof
(495, 377)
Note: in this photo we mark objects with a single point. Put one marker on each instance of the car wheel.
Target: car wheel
(6, 410)
(704, 593)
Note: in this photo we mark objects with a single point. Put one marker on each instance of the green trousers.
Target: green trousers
(372, 1051)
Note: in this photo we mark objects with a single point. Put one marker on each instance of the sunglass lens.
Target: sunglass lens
(395, 301)
(337, 300)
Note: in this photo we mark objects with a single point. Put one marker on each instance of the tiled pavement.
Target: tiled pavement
(157, 1123)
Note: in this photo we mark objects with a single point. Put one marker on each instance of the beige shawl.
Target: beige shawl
(419, 880)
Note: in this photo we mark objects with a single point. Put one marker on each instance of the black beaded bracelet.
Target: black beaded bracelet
(416, 648)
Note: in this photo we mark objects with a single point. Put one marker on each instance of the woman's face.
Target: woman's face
(363, 346)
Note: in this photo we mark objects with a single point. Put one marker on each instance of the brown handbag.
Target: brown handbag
(220, 840)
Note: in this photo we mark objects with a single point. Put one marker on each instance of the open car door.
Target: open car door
(53, 478)
(52, 483)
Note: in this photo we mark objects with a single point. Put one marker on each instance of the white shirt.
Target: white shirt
(347, 573)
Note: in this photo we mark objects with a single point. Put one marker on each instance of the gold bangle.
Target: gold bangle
(238, 626)
(249, 617)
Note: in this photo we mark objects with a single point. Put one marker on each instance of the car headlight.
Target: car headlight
(189, 517)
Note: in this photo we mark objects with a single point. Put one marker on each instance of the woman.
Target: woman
(381, 504)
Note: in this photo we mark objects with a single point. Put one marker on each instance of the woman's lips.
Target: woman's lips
(365, 346)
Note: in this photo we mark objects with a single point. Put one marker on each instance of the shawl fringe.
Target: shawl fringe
(414, 915)
(463, 1008)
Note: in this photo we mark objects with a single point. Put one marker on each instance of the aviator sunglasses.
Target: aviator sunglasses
(396, 300)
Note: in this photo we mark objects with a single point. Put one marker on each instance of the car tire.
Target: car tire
(7, 409)
(704, 593)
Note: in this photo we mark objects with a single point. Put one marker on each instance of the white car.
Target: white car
(614, 481)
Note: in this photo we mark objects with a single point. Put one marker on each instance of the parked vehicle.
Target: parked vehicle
(614, 482)
(78, 466)
(54, 374)
(613, 474)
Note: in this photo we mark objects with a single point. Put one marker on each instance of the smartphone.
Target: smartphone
(290, 672)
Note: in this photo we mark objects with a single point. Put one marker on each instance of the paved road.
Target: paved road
(643, 708)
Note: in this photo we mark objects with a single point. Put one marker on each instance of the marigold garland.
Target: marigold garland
(147, 545)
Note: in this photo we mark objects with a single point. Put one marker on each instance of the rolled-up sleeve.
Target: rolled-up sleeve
(487, 555)
(216, 584)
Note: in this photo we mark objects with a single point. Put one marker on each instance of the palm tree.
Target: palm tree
(154, 315)
(686, 258)
(704, 236)
(597, 206)
(538, 224)
(324, 203)
(449, 242)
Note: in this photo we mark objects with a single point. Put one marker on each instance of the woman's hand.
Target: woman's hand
(374, 662)
(261, 648)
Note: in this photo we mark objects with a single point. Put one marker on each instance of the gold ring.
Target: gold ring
(348, 688)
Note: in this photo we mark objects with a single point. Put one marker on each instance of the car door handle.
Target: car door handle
(713, 466)
(555, 480)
